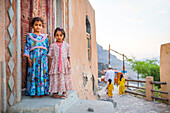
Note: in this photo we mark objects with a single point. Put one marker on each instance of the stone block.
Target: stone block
(11, 99)
(11, 83)
(10, 1)
(42, 105)
(10, 13)
(11, 65)
(11, 48)
(10, 30)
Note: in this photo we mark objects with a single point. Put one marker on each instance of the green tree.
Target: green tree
(146, 68)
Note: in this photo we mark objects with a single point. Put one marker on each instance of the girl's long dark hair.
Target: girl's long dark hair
(110, 81)
(121, 77)
(37, 19)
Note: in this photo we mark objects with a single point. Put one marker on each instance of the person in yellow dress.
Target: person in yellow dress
(110, 88)
(121, 85)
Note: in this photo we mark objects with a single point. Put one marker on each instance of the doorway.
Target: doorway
(30, 9)
(53, 14)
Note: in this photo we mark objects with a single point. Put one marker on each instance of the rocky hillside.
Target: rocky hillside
(116, 63)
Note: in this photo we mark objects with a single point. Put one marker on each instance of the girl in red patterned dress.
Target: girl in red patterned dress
(60, 70)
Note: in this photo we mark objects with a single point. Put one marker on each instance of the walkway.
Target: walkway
(131, 104)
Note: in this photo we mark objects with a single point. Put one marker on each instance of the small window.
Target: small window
(88, 36)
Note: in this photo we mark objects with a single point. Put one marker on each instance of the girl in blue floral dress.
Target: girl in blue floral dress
(36, 49)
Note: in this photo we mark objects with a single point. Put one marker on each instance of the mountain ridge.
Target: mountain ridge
(114, 61)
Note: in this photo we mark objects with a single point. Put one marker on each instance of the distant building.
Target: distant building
(77, 17)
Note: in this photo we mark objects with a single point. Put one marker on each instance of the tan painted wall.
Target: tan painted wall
(165, 69)
(0, 86)
(78, 9)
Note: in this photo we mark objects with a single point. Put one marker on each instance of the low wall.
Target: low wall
(165, 69)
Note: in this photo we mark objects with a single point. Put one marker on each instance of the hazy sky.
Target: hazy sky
(133, 27)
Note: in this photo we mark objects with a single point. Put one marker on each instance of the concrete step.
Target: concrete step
(96, 106)
(44, 104)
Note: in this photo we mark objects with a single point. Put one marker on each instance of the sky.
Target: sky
(134, 27)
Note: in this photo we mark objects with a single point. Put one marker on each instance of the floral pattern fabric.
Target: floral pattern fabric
(60, 81)
(36, 48)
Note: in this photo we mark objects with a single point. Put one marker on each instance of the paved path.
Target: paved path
(131, 104)
(83, 105)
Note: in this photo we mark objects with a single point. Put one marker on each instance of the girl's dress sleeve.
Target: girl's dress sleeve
(107, 86)
(68, 51)
(118, 81)
(27, 47)
(51, 51)
(112, 86)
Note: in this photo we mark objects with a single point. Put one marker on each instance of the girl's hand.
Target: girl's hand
(69, 70)
(30, 62)
(49, 65)
(49, 68)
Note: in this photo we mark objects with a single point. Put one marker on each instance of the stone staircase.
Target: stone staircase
(72, 104)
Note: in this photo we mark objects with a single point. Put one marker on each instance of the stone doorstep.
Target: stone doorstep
(44, 104)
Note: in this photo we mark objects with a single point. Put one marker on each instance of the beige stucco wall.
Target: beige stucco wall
(2, 39)
(165, 69)
(0, 87)
(78, 9)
